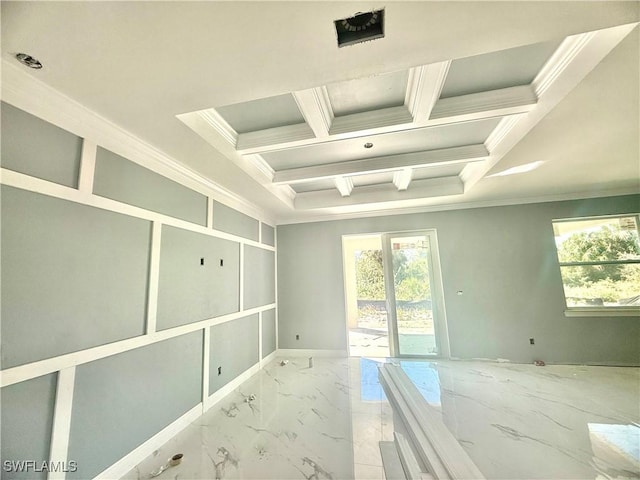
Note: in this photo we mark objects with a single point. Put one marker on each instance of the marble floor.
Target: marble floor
(515, 422)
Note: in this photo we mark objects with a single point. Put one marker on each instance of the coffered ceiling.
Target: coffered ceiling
(480, 103)
(429, 131)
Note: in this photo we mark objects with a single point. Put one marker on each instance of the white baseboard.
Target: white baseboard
(269, 358)
(230, 387)
(297, 352)
(133, 458)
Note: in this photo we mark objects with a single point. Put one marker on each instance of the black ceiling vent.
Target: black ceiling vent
(362, 27)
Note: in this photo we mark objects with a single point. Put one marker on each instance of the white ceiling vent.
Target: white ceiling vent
(362, 27)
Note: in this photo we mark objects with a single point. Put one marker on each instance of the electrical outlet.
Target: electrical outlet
(532, 341)
(219, 370)
(297, 337)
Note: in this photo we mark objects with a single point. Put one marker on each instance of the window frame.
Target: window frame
(600, 310)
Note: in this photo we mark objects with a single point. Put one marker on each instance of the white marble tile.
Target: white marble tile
(527, 422)
(325, 422)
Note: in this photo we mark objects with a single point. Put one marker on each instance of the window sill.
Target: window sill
(603, 312)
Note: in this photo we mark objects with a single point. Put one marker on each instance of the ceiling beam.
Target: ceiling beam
(383, 117)
(344, 185)
(424, 87)
(428, 158)
(474, 106)
(372, 194)
(477, 106)
(402, 178)
(316, 109)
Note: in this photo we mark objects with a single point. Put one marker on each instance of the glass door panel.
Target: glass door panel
(409, 281)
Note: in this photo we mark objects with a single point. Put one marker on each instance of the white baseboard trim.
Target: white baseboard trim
(230, 387)
(269, 358)
(297, 352)
(133, 458)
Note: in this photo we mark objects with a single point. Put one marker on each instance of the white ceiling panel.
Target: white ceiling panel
(369, 93)
(263, 113)
(492, 71)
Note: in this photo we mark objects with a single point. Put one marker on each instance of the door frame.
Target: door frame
(437, 294)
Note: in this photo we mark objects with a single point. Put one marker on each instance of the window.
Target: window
(600, 263)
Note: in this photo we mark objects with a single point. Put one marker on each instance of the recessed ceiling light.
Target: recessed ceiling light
(29, 61)
(368, 145)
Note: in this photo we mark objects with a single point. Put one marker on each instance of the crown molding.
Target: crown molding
(576, 57)
(269, 136)
(30, 94)
(511, 201)
(220, 125)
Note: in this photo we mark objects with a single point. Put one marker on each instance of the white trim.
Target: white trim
(269, 136)
(261, 164)
(344, 185)
(206, 359)
(222, 392)
(61, 428)
(241, 279)
(559, 61)
(20, 373)
(432, 442)
(426, 158)
(37, 98)
(196, 123)
(260, 346)
(575, 58)
(474, 106)
(424, 86)
(330, 217)
(316, 110)
(209, 212)
(133, 458)
(87, 166)
(213, 118)
(37, 185)
(402, 179)
(371, 194)
(357, 122)
(154, 278)
(269, 358)
(603, 312)
(499, 133)
(304, 352)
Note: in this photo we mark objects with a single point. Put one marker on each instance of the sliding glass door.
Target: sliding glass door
(414, 299)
